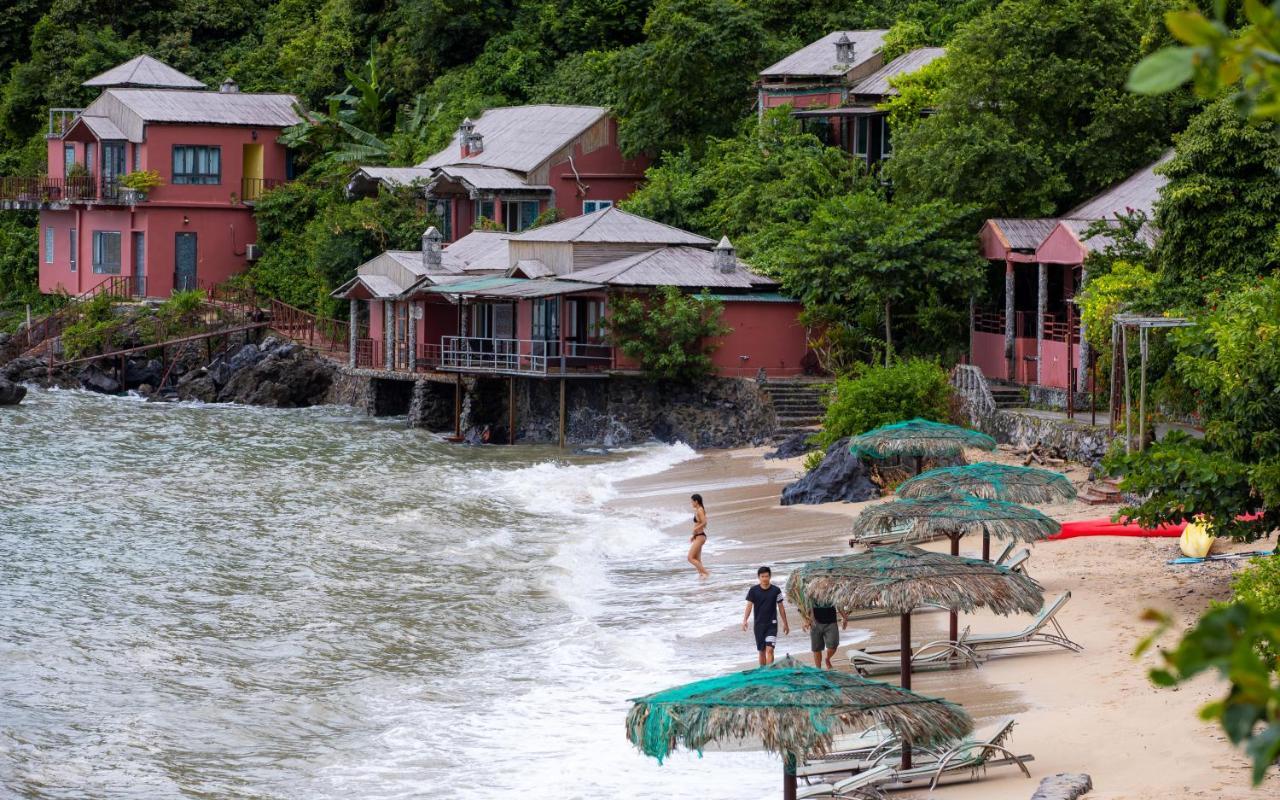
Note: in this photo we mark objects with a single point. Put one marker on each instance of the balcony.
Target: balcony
(529, 357)
(252, 189)
(26, 193)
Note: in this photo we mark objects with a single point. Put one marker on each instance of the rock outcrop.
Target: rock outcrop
(797, 444)
(1064, 786)
(840, 477)
(11, 393)
(274, 373)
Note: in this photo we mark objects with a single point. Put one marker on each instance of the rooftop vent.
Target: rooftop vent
(726, 257)
(846, 50)
(229, 86)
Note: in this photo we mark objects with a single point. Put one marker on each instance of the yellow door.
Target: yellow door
(251, 186)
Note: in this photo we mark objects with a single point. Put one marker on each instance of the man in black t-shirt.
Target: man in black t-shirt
(765, 600)
(823, 632)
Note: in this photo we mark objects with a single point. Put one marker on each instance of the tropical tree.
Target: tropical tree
(671, 334)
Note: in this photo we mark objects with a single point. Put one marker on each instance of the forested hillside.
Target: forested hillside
(1029, 116)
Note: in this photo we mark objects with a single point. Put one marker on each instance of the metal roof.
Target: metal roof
(878, 81)
(538, 287)
(521, 138)
(686, 267)
(471, 285)
(478, 251)
(1024, 234)
(1138, 192)
(378, 286)
(102, 128)
(753, 297)
(209, 108)
(842, 111)
(612, 225)
(1147, 234)
(486, 179)
(144, 71)
(396, 176)
(819, 58)
(530, 268)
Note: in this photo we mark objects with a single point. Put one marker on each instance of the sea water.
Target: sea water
(221, 601)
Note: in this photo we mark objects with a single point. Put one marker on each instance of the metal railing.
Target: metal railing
(368, 353)
(1024, 324)
(41, 191)
(318, 333)
(251, 189)
(61, 119)
(522, 356)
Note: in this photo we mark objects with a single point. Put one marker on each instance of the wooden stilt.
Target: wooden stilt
(788, 776)
(905, 677)
(955, 617)
(511, 410)
(457, 407)
(986, 546)
(562, 405)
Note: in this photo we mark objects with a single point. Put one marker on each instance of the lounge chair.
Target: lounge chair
(862, 785)
(974, 648)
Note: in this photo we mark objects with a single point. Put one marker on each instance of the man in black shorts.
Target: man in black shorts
(766, 600)
(823, 632)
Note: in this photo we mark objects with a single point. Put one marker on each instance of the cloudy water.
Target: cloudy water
(221, 601)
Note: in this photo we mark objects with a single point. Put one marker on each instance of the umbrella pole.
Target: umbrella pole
(919, 464)
(905, 678)
(986, 546)
(955, 617)
(789, 776)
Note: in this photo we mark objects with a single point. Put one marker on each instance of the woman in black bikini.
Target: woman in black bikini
(699, 537)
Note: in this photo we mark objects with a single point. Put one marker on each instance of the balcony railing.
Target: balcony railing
(522, 356)
(252, 189)
(38, 192)
(1024, 324)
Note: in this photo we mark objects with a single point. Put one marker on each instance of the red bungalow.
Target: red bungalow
(1037, 266)
(215, 152)
(837, 84)
(511, 165)
(535, 304)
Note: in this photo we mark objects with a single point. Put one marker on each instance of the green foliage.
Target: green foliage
(878, 395)
(812, 459)
(142, 180)
(1226, 640)
(96, 327)
(1126, 285)
(1217, 219)
(1033, 114)
(1259, 585)
(669, 333)
(19, 259)
(691, 77)
(1230, 363)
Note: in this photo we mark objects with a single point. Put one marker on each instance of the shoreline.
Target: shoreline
(1093, 712)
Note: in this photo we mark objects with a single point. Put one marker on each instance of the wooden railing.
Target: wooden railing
(1024, 324)
(52, 325)
(318, 333)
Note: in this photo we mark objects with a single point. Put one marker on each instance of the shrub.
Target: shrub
(93, 330)
(667, 331)
(143, 180)
(813, 458)
(879, 395)
(1259, 584)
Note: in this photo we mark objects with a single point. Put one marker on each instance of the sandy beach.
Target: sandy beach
(1094, 712)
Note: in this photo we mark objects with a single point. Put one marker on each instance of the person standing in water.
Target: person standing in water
(699, 537)
(765, 600)
(823, 632)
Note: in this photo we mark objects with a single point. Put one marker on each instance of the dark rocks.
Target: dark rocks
(1063, 786)
(431, 406)
(246, 356)
(286, 377)
(139, 371)
(196, 385)
(96, 380)
(841, 476)
(797, 444)
(11, 393)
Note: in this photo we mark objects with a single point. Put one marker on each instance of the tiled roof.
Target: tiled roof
(878, 81)
(521, 138)
(208, 108)
(144, 71)
(686, 267)
(612, 225)
(1138, 192)
(819, 58)
(1024, 234)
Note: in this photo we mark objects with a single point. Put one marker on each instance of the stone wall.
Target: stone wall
(721, 412)
(1078, 440)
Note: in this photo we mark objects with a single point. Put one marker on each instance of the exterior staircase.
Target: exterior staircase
(1101, 493)
(798, 405)
(1009, 395)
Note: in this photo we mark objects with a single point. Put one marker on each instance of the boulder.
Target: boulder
(195, 385)
(246, 356)
(95, 380)
(797, 444)
(138, 371)
(841, 476)
(1063, 786)
(294, 381)
(11, 393)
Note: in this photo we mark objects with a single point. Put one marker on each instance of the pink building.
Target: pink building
(215, 152)
(837, 84)
(511, 165)
(536, 303)
(1034, 337)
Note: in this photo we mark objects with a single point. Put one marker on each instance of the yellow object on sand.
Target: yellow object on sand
(1196, 541)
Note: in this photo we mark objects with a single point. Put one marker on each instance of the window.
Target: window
(518, 215)
(484, 210)
(48, 245)
(137, 156)
(140, 263)
(443, 209)
(546, 319)
(88, 157)
(68, 158)
(591, 206)
(197, 164)
(861, 135)
(106, 252)
(73, 248)
(886, 146)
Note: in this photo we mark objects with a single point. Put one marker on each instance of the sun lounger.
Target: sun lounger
(1044, 632)
(862, 785)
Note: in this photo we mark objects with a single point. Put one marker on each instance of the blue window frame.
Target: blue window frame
(48, 244)
(484, 210)
(106, 252)
(591, 206)
(68, 158)
(197, 164)
(519, 214)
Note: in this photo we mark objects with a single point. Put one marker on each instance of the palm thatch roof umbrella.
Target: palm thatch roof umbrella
(953, 517)
(793, 709)
(989, 481)
(919, 438)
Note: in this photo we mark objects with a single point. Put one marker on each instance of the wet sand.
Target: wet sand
(1094, 712)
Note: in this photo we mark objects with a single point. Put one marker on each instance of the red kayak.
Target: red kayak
(1105, 527)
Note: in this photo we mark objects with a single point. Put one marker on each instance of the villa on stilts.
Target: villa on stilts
(1031, 336)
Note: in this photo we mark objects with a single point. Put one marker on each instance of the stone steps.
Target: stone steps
(798, 405)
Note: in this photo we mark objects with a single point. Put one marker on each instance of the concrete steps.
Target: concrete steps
(1009, 395)
(798, 404)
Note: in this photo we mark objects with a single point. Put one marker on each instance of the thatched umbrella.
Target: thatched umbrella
(930, 517)
(919, 438)
(990, 481)
(793, 709)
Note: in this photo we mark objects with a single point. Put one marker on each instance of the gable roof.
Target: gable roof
(1023, 234)
(1138, 192)
(202, 108)
(478, 251)
(491, 179)
(101, 127)
(394, 176)
(144, 71)
(819, 58)
(612, 225)
(685, 267)
(878, 81)
(521, 138)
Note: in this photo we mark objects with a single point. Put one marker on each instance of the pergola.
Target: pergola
(1121, 324)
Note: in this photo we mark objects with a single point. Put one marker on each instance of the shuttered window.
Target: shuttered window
(197, 164)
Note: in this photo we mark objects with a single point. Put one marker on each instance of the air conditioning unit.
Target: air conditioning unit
(252, 252)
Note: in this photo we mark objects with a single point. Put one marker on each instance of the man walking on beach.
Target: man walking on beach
(823, 632)
(765, 600)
